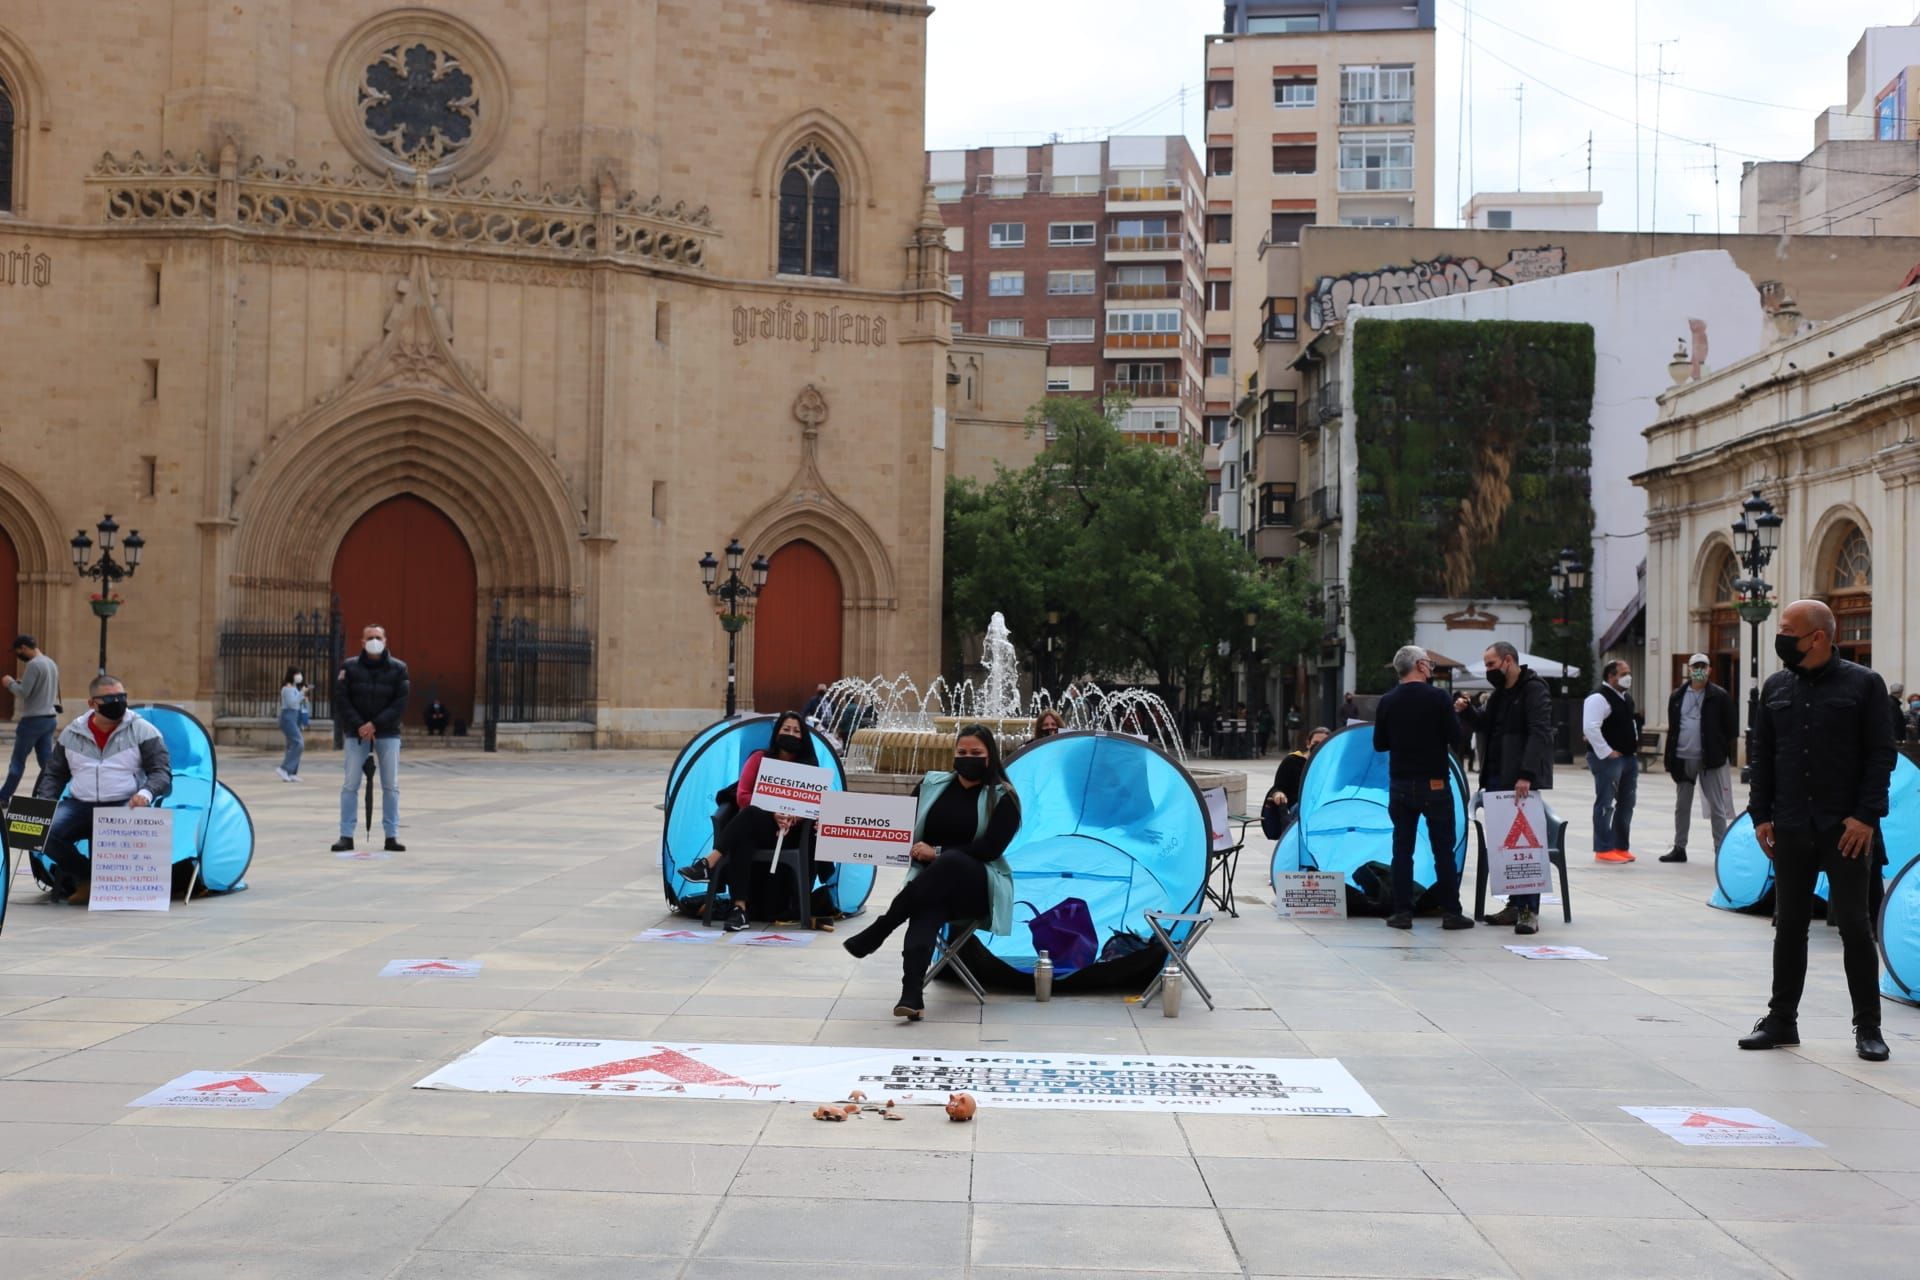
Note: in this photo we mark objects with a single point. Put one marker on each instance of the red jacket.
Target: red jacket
(749, 775)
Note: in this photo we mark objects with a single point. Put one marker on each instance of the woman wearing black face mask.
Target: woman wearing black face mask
(967, 819)
(753, 829)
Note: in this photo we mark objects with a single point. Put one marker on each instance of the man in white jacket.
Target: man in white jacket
(109, 758)
(1612, 730)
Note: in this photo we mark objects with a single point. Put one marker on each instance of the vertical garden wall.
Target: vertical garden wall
(1473, 450)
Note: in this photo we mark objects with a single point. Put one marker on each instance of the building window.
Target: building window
(1282, 415)
(1006, 284)
(809, 215)
(1372, 220)
(1142, 235)
(1285, 227)
(1294, 158)
(1156, 420)
(1279, 320)
(1218, 427)
(957, 286)
(949, 192)
(1070, 329)
(1219, 95)
(1376, 95)
(1062, 234)
(1058, 378)
(1219, 162)
(1276, 505)
(1284, 25)
(1219, 295)
(1376, 162)
(1059, 282)
(1850, 594)
(1500, 219)
(1075, 184)
(1007, 235)
(6, 147)
(1219, 228)
(1219, 362)
(1853, 563)
(1143, 322)
(1213, 498)
(1296, 92)
(1005, 329)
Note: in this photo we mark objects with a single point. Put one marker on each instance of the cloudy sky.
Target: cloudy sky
(1748, 75)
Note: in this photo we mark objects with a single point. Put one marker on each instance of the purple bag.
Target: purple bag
(1065, 932)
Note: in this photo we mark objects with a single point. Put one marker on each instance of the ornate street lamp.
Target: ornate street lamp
(1756, 536)
(733, 602)
(1568, 577)
(106, 570)
(1053, 647)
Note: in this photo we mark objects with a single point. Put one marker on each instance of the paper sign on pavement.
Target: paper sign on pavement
(770, 938)
(431, 969)
(364, 855)
(1309, 895)
(132, 856)
(792, 789)
(1553, 953)
(1204, 1083)
(226, 1090)
(1518, 860)
(859, 827)
(1721, 1127)
(679, 935)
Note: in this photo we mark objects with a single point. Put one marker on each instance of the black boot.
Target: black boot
(913, 978)
(870, 939)
(1770, 1033)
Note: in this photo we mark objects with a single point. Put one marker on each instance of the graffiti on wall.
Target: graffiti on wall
(1440, 277)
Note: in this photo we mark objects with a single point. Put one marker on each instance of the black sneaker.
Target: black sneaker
(1457, 921)
(1870, 1046)
(736, 921)
(343, 845)
(1400, 920)
(1768, 1034)
(1677, 855)
(696, 870)
(394, 846)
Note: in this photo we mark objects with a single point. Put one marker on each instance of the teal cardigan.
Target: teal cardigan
(999, 875)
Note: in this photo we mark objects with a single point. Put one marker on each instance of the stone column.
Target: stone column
(1896, 634)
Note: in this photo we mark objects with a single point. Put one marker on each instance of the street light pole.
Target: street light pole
(733, 602)
(106, 570)
(1756, 535)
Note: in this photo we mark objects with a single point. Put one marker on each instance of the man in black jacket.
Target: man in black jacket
(370, 699)
(1415, 725)
(1516, 750)
(1702, 726)
(1822, 761)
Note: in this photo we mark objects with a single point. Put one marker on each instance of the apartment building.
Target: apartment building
(1318, 111)
(1095, 247)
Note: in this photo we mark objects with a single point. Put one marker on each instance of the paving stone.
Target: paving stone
(1133, 1238)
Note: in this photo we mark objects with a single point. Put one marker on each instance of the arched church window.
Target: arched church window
(809, 214)
(6, 147)
(1853, 563)
(1850, 594)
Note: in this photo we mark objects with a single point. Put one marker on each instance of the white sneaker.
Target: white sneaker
(294, 777)
(282, 774)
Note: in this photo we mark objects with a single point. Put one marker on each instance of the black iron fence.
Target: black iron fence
(254, 655)
(537, 674)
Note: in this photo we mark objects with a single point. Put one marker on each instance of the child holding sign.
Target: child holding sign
(751, 828)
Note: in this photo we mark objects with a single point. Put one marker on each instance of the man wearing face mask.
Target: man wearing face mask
(1702, 726)
(1516, 750)
(110, 758)
(35, 715)
(1612, 731)
(1822, 762)
(370, 700)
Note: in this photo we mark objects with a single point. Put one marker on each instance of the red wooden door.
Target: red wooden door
(796, 629)
(9, 615)
(406, 566)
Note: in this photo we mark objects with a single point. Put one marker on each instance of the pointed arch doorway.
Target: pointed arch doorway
(9, 611)
(406, 566)
(796, 628)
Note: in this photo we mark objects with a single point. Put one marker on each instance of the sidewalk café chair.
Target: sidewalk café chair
(212, 830)
(1556, 854)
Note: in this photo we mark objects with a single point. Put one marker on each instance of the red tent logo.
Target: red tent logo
(433, 966)
(239, 1084)
(771, 937)
(1521, 835)
(1701, 1120)
(671, 1063)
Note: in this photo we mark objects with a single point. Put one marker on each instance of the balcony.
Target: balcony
(1370, 112)
(1328, 402)
(1333, 614)
(1007, 186)
(1117, 345)
(1165, 245)
(1144, 291)
(1394, 179)
(1155, 193)
(1323, 508)
(1138, 389)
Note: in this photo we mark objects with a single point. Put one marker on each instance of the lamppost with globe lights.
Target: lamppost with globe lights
(1756, 536)
(106, 570)
(733, 601)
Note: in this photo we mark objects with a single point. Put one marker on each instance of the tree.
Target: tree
(1113, 533)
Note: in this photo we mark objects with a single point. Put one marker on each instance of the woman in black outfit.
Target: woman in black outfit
(1286, 784)
(753, 829)
(958, 873)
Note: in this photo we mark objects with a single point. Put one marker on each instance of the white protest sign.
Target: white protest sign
(132, 856)
(1517, 857)
(767, 938)
(1205, 1083)
(1554, 953)
(1217, 821)
(858, 827)
(431, 969)
(1721, 1127)
(792, 789)
(226, 1090)
(695, 936)
(1309, 895)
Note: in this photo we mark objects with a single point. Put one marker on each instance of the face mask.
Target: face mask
(971, 768)
(1787, 648)
(1496, 677)
(1698, 675)
(375, 647)
(298, 681)
(112, 707)
(789, 743)
(1626, 683)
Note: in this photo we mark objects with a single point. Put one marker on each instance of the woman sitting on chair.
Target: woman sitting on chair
(753, 829)
(1286, 784)
(967, 819)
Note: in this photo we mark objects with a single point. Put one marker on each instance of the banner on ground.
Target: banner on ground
(1721, 1127)
(1553, 953)
(858, 827)
(431, 968)
(132, 856)
(226, 1090)
(1309, 895)
(792, 789)
(1209, 1084)
(1517, 857)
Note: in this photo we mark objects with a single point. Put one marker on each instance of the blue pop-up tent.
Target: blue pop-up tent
(1743, 874)
(714, 759)
(1341, 823)
(1900, 913)
(212, 830)
(1109, 820)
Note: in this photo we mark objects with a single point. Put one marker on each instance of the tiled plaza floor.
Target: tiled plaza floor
(1503, 1153)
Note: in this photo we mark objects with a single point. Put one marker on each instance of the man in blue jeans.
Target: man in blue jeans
(110, 758)
(370, 700)
(1612, 730)
(1415, 725)
(35, 694)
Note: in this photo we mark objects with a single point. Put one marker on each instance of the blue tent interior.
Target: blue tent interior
(1743, 874)
(1341, 824)
(1900, 914)
(1114, 822)
(712, 760)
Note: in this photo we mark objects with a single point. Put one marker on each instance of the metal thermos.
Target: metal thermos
(1172, 981)
(1043, 978)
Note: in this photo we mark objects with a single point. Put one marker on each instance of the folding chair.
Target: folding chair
(1178, 952)
(946, 955)
(1556, 854)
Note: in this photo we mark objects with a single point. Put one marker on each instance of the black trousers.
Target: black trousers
(745, 834)
(1409, 800)
(1799, 856)
(951, 887)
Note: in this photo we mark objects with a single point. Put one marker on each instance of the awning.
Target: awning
(1546, 668)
